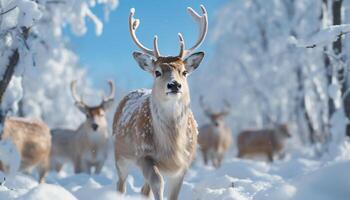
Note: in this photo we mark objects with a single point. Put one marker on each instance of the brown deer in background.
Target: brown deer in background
(214, 138)
(87, 146)
(32, 140)
(266, 141)
(155, 129)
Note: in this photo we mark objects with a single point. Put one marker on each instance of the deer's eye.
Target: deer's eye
(157, 73)
(184, 73)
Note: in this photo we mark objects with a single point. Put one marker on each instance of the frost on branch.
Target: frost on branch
(34, 29)
(323, 37)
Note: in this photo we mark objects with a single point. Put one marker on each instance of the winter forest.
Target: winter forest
(263, 113)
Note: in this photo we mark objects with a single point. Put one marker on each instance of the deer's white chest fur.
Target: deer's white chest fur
(170, 125)
(94, 148)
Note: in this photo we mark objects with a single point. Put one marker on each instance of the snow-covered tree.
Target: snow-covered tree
(267, 77)
(34, 47)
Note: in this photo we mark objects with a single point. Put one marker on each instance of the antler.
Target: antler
(227, 108)
(205, 109)
(112, 93)
(203, 29)
(133, 25)
(73, 88)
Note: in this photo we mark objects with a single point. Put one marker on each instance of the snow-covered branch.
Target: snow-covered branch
(323, 37)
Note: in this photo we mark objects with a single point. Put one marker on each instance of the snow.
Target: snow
(13, 95)
(136, 99)
(29, 12)
(46, 65)
(324, 37)
(264, 77)
(299, 176)
(48, 191)
(9, 156)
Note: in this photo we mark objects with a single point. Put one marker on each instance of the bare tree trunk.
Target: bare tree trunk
(342, 73)
(336, 8)
(20, 109)
(10, 69)
(301, 109)
(327, 62)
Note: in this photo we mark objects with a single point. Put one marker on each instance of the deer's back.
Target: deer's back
(133, 112)
(255, 141)
(31, 137)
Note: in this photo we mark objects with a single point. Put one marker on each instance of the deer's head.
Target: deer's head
(283, 130)
(170, 72)
(216, 117)
(95, 115)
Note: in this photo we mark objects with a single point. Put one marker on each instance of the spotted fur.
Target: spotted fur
(32, 140)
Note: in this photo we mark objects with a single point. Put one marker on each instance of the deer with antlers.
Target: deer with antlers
(155, 129)
(85, 147)
(32, 140)
(214, 138)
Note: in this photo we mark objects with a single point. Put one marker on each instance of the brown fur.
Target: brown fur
(32, 140)
(139, 130)
(159, 134)
(157, 130)
(266, 141)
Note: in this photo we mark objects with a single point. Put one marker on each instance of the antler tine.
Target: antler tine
(73, 88)
(205, 109)
(227, 107)
(112, 93)
(182, 45)
(133, 25)
(203, 29)
(155, 47)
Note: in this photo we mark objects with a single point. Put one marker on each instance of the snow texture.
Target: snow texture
(46, 65)
(253, 65)
(323, 37)
(9, 157)
(136, 99)
(299, 176)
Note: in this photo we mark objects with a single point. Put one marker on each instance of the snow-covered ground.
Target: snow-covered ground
(298, 176)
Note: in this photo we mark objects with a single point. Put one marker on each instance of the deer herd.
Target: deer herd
(154, 130)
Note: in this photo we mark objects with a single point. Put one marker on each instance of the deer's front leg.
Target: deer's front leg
(98, 167)
(175, 184)
(205, 156)
(77, 165)
(86, 166)
(153, 177)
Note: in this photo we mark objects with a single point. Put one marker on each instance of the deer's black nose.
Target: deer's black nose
(94, 127)
(174, 86)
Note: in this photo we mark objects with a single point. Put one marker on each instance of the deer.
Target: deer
(86, 147)
(32, 140)
(266, 141)
(215, 137)
(155, 129)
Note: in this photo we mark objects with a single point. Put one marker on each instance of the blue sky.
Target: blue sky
(109, 56)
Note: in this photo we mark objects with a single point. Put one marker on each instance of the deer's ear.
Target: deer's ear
(145, 61)
(192, 62)
(107, 104)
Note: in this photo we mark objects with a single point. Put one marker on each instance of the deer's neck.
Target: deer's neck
(170, 123)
